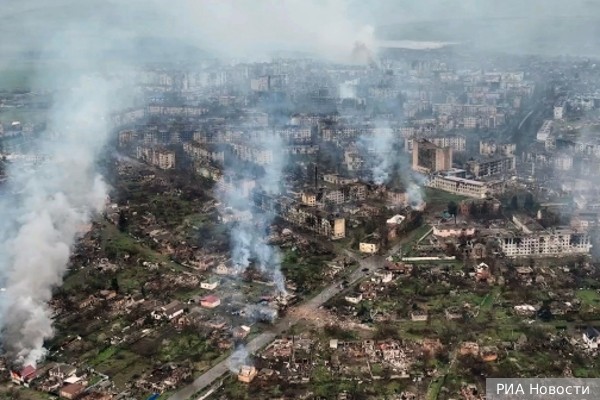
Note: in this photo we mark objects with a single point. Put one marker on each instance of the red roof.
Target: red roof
(210, 298)
(73, 389)
(28, 371)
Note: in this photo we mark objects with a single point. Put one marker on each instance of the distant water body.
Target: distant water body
(413, 44)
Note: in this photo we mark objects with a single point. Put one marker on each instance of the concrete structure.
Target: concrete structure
(252, 153)
(591, 338)
(545, 243)
(210, 284)
(72, 391)
(452, 230)
(490, 148)
(318, 221)
(354, 299)
(309, 198)
(338, 179)
(559, 110)
(247, 373)
(396, 220)
(465, 187)
(458, 143)
(201, 151)
(427, 157)
(161, 158)
(368, 247)
(173, 309)
(563, 162)
(490, 166)
(545, 131)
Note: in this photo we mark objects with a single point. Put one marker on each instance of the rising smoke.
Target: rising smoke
(40, 227)
(383, 159)
(54, 202)
(249, 237)
(238, 359)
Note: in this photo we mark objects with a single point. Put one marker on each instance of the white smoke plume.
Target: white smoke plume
(249, 238)
(238, 359)
(382, 159)
(39, 230)
(378, 149)
(55, 201)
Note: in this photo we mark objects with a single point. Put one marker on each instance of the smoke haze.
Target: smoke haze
(90, 40)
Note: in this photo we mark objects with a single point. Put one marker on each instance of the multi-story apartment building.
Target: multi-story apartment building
(490, 166)
(545, 243)
(490, 148)
(458, 143)
(338, 179)
(427, 157)
(304, 216)
(176, 111)
(545, 131)
(198, 151)
(353, 160)
(465, 187)
(161, 158)
(295, 134)
(254, 154)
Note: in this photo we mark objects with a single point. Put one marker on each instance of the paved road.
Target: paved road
(206, 380)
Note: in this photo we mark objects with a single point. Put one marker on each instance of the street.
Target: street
(205, 380)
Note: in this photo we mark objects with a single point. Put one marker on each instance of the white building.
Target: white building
(368, 248)
(546, 243)
(209, 285)
(161, 158)
(465, 187)
(559, 111)
(453, 230)
(354, 299)
(545, 131)
(591, 338)
(563, 162)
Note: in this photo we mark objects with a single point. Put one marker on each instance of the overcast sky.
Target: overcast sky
(247, 27)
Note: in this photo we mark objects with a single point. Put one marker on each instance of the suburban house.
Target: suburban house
(240, 332)
(71, 391)
(368, 247)
(591, 338)
(62, 371)
(210, 301)
(223, 269)
(24, 376)
(419, 315)
(211, 284)
(383, 276)
(354, 299)
(173, 309)
(247, 373)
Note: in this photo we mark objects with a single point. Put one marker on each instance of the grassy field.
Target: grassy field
(438, 198)
(589, 297)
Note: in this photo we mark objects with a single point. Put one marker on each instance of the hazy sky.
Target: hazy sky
(326, 27)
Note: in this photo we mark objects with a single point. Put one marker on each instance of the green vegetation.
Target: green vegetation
(117, 244)
(104, 355)
(186, 346)
(305, 271)
(589, 297)
(434, 387)
(437, 198)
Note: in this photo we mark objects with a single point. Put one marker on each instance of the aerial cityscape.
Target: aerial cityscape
(297, 199)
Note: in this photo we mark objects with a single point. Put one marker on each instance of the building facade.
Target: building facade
(427, 157)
